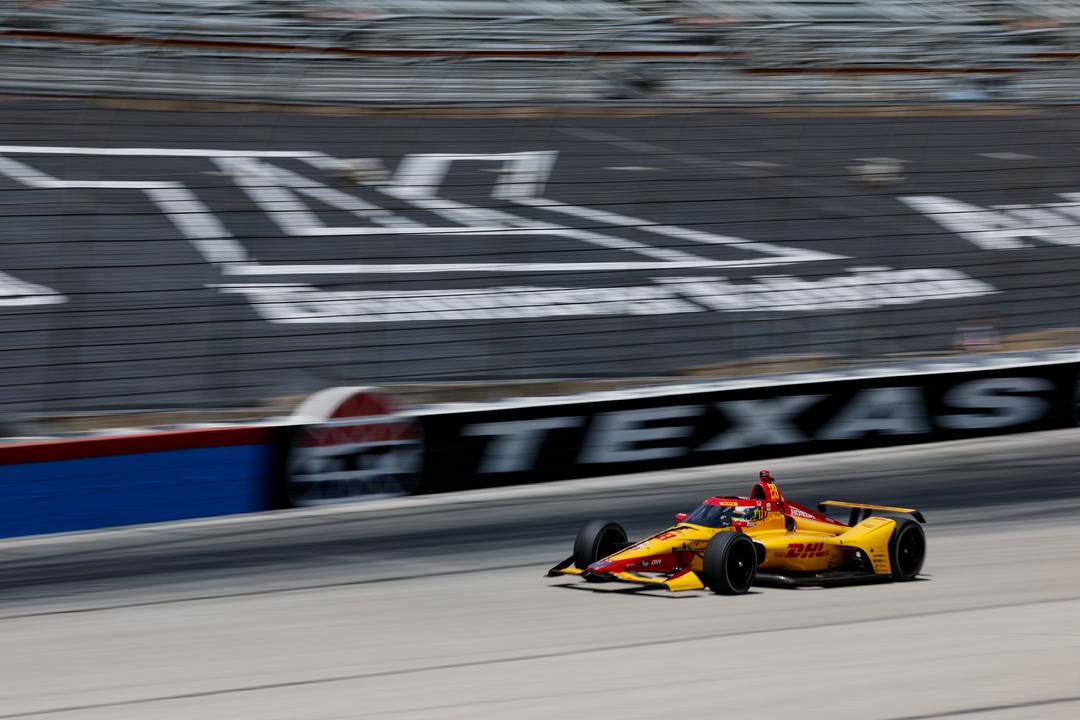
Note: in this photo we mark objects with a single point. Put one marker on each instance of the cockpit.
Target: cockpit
(718, 516)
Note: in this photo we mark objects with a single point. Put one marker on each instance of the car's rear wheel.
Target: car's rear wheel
(597, 540)
(730, 563)
(907, 549)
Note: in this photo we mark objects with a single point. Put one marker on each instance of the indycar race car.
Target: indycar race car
(730, 543)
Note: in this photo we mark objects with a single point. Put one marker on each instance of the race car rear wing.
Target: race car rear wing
(861, 511)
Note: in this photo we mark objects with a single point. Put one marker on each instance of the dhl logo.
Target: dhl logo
(806, 550)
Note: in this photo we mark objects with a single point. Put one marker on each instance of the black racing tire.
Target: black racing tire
(597, 540)
(907, 550)
(730, 563)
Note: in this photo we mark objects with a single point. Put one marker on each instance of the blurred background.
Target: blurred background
(214, 208)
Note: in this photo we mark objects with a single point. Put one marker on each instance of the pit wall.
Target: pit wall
(359, 447)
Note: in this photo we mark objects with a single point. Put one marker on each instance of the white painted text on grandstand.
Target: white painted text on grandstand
(860, 288)
(1005, 227)
(314, 197)
(18, 293)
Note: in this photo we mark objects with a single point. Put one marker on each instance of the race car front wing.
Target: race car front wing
(683, 580)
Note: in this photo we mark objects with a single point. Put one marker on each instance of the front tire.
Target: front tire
(907, 550)
(597, 540)
(730, 563)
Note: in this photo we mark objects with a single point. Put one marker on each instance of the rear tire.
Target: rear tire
(907, 550)
(730, 563)
(597, 540)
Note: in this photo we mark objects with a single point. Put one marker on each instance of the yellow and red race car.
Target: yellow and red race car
(730, 543)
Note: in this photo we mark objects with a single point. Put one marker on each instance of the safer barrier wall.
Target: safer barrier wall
(361, 447)
(671, 428)
(81, 484)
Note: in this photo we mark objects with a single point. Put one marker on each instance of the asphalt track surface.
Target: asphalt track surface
(146, 323)
(437, 607)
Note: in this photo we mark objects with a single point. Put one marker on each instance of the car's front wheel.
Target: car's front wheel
(730, 563)
(597, 540)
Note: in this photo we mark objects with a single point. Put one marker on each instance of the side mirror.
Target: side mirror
(679, 517)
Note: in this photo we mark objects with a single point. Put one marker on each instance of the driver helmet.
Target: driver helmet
(765, 476)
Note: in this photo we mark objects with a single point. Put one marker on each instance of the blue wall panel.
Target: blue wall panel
(95, 492)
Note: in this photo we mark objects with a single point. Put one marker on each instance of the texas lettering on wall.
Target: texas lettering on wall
(635, 433)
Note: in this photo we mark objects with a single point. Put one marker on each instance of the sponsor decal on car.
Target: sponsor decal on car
(806, 550)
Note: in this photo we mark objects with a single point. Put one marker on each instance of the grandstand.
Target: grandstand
(543, 50)
(253, 16)
(426, 55)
